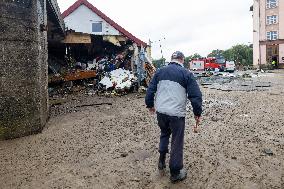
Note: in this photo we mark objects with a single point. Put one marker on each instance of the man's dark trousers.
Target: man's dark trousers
(171, 125)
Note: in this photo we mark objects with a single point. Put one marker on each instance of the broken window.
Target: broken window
(97, 27)
(271, 20)
(270, 4)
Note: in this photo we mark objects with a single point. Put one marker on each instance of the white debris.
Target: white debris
(229, 75)
(120, 78)
(91, 66)
(106, 82)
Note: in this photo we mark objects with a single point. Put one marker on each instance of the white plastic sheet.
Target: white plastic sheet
(122, 79)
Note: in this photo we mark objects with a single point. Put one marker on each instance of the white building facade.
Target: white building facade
(86, 21)
(268, 32)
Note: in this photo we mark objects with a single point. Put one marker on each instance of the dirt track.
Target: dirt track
(115, 146)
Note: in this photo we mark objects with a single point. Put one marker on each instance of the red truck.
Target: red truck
(209, 64)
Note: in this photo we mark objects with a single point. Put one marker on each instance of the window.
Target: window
(97, 27)
(271, 20)
(270, 4)
(272, 35)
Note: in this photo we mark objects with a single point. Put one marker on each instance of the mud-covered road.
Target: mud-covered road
(115, 145)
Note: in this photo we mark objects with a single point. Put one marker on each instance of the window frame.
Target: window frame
(272, 35)
(272, 19)
(270, 4)
(92, 27)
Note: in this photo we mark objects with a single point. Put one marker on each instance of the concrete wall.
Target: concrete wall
(255, 33)
(81, 21)
(262, 21)
(281, 32)
(263, 54)
(281, 54)
(23, 73)
(281, 19)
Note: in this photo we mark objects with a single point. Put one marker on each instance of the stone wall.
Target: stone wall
(23, 72)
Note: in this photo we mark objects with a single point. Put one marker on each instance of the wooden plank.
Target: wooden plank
(77, 38)
(73, 76)
(79, 75)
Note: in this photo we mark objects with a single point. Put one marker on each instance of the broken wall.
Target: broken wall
(23, 73)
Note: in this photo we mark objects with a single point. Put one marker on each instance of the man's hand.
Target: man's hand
(197, 120)
(152, 110)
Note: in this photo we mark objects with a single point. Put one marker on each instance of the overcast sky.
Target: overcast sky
(190, 26)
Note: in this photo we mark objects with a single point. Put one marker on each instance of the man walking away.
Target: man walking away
(167, 94)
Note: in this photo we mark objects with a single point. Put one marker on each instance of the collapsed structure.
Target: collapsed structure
(36, 49)
(96, 46)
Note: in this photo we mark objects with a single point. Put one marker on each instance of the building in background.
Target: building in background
(268, 32)
(107, 39)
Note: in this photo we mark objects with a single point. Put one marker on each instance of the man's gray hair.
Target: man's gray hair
(177, 55)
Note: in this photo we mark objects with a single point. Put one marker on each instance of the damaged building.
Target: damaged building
(96, 42)
(37, 49)
(26, 27)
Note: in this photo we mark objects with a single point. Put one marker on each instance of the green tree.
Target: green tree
(241, 54)
(216, 53)
(159, 63)
(194, 56)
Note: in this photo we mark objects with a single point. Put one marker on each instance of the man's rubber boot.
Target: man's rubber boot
(179, 177)
(162, 162)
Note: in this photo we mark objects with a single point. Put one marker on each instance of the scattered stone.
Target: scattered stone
(268, 152)
(216, 119)
(142, 89)
(124, 154)
(246, 75)
(275, 94)
(135, 179)
(206, 84)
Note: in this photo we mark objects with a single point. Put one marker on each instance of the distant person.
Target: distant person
(167, 95)
(273, 64)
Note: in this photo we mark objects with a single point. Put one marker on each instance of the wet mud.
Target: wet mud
(240, 144)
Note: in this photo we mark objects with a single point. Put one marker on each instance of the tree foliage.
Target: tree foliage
(241, 54)
(216, 53)
(159, 63)
(194, 56)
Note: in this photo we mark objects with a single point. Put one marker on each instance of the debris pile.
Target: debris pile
(109, 72)
(233, 82)
(120, 80)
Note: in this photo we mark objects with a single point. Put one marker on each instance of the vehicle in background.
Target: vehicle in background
(221, 61)
(207, 64)
(197, 65)
(230, 66)
(212, 64)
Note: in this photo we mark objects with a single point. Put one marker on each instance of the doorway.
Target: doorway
(272, 53)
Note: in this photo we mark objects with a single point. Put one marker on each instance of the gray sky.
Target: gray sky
(190, 26)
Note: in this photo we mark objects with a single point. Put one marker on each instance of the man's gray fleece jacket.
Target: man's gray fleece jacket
(169, 90)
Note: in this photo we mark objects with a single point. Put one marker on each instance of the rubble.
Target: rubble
(242, 81)
(268, 152)
(101, 66)
(119, 79)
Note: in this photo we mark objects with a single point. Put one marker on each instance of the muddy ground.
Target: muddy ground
(115, 145)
